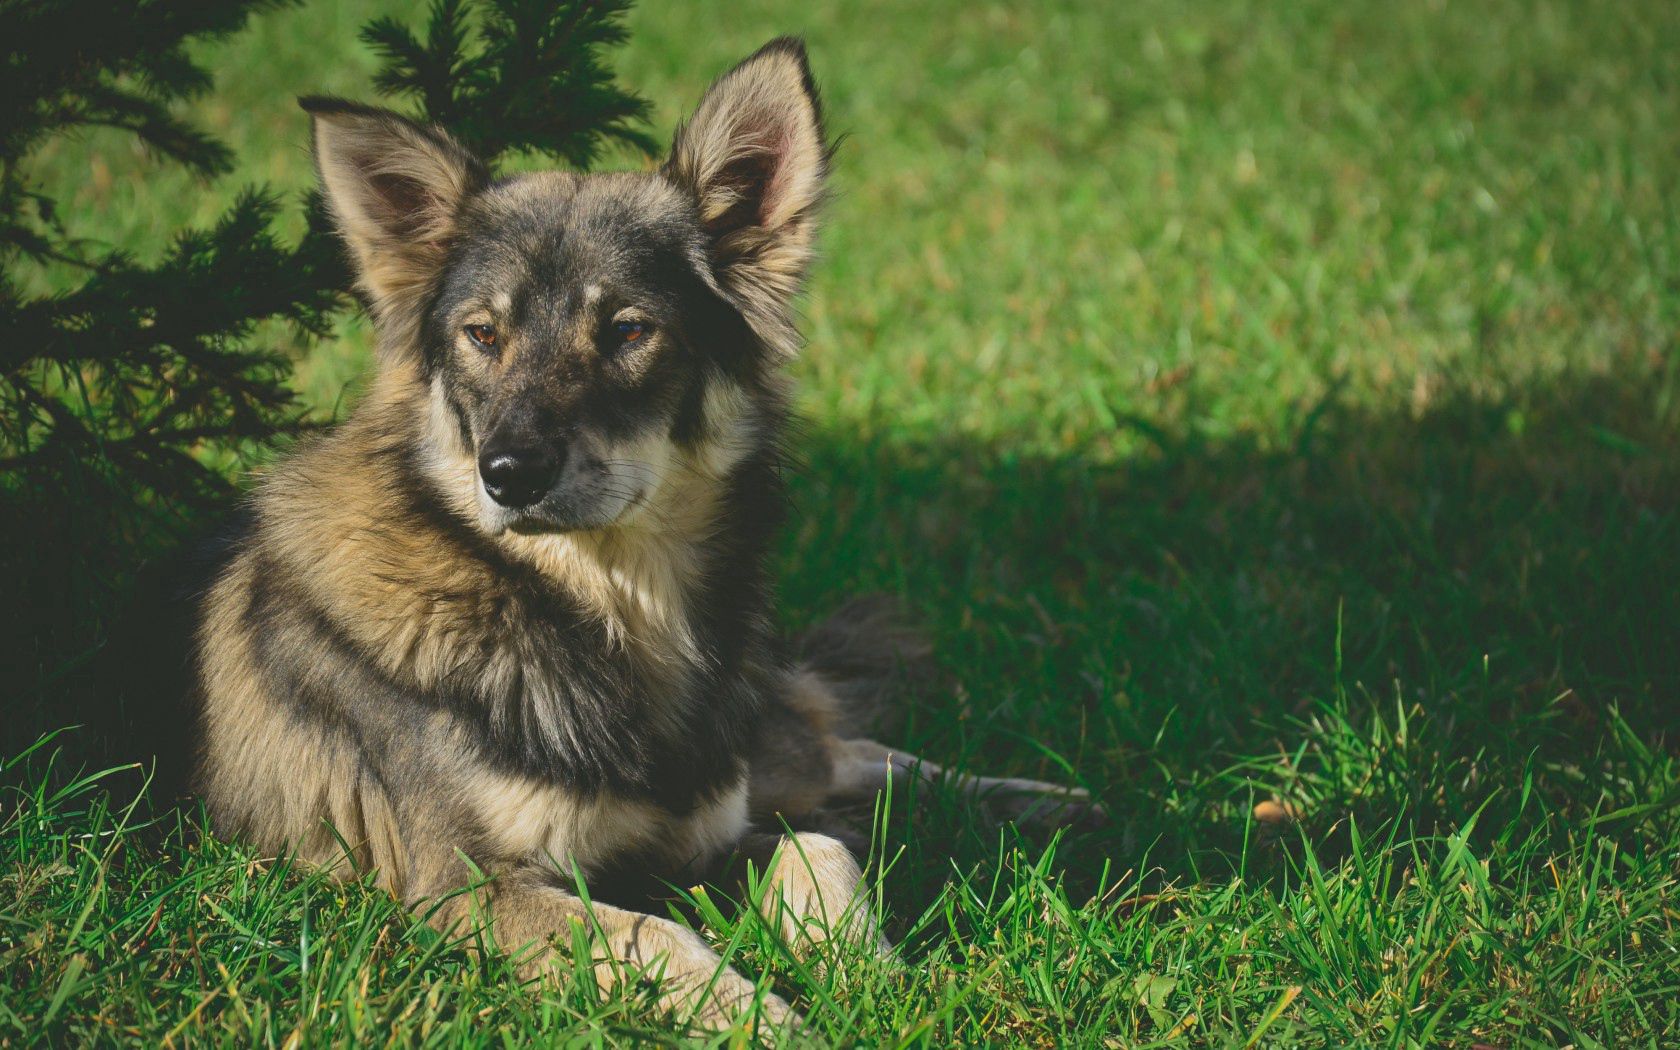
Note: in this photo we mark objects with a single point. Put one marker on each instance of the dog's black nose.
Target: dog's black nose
(517, 477)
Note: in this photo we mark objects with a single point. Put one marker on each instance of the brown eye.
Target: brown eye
(630, 331)
(482, 335)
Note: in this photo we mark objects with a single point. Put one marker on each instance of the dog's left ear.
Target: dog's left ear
(755, 158)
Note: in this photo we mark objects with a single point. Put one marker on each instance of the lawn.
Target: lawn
(1273, 413)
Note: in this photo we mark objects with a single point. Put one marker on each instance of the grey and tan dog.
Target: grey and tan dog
(513, 614)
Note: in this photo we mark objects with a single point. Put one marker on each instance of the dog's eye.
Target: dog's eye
(630, 331)
(482, 335)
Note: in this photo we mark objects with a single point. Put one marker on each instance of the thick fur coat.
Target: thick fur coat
(513, 615)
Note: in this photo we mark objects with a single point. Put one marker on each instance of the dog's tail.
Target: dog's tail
(874, 663)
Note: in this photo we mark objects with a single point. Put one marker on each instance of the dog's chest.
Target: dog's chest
(527, 818)
(616, 686)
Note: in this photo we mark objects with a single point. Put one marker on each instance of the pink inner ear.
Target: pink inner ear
(755, 178)
(400, 197)
(777, 185)
(406, 208)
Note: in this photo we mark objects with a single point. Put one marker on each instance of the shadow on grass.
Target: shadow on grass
(1391, 617)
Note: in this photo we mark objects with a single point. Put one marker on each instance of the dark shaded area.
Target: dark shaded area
(129, 386)
(125, 697)
(1501, 573)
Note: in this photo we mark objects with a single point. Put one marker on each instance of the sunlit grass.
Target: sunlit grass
(1272, 412)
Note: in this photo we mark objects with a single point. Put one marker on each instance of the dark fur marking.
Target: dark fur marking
(340, 691)
(382, 613)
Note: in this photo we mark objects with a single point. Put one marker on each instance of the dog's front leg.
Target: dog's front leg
(813, 890)
(528, 915)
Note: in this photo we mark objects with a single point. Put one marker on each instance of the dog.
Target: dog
(508, 625)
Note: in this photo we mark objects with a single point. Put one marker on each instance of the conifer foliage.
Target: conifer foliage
(126, 382)
(497, 92)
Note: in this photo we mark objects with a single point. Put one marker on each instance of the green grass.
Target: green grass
(1262, 404)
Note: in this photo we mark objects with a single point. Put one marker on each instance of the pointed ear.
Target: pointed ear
(394, 188)
(755, 158)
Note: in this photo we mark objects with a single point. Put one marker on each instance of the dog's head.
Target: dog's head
(582, 336)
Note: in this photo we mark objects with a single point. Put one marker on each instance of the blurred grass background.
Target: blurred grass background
(1258, 402)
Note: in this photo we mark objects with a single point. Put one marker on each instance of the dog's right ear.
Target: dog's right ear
(395, 188)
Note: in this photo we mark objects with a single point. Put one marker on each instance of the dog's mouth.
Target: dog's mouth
(545, 521)
(531, 525)
(557, 514)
